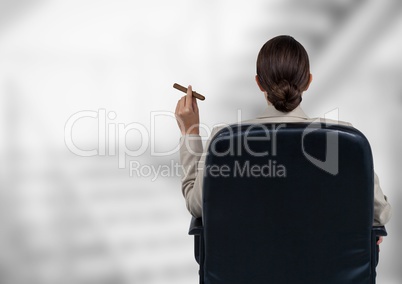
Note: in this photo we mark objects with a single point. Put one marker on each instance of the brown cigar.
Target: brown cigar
(184, 90)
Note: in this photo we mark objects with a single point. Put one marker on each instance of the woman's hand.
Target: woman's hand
(379, 240)
(187, 115)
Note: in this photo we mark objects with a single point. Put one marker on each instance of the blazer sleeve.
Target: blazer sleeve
(191, 151)
(382, 208)
(192, 160)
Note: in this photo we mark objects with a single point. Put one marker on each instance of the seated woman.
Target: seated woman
(283, 74)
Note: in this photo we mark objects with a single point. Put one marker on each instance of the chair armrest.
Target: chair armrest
(196, 226)
(380, 231)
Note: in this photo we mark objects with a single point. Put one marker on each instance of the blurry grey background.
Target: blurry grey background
(70, 219)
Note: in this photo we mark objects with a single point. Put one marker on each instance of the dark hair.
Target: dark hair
(283, 70)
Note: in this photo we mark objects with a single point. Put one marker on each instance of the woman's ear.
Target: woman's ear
(309, 81)
(258, 83)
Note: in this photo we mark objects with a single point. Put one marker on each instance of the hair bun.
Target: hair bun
(284, 96)
(283, 71)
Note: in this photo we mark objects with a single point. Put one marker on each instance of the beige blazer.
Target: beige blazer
(192, 158)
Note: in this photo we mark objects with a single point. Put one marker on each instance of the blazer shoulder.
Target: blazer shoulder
(330, 121)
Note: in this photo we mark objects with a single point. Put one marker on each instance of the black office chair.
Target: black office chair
(309, 220)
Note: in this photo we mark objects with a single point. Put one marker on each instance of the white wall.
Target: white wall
(70, 219)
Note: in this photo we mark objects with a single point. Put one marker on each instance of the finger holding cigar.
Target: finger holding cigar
(184, 90)
(187, 113)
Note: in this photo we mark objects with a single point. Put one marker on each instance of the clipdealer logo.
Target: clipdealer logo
(112, 141)
(112, 136)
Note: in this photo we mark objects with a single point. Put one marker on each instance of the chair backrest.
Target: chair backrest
(288, 203)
